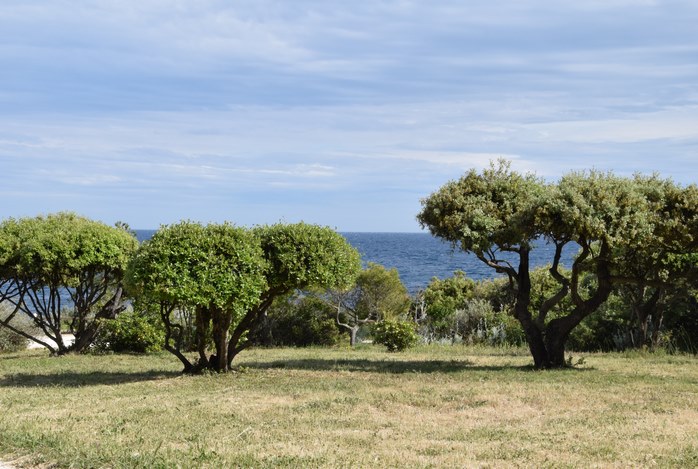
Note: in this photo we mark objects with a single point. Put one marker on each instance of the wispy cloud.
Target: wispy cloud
(153, 111)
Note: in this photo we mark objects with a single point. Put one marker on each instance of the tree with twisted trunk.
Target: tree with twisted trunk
(498, 215)
(377, 294)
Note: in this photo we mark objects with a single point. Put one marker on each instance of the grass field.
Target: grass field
(431, 407)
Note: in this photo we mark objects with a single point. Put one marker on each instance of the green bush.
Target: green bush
(395, 335)
(298, 321)
(461, 310)
(11, 341)
(130, 332)
(443, 300)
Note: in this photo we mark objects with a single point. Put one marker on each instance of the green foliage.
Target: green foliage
(298, 321)
(377, 294)
(380, 293)
(45, 258)
(497, 292)
(62, 248)
(395, 335)
(189, 264)
(11, 341)
(216, 270)
(593, 205)
(443, 299)
(461, 310)
(682, 323)
(657, 279)
(302, 256)
(130, 332)
(618, 223)
(230, 276)
(478, 211)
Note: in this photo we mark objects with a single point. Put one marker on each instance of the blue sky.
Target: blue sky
(332, 112)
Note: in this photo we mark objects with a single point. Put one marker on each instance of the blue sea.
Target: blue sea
(419, 257)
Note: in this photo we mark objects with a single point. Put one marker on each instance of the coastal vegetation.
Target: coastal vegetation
(229, 277)
(207, 292)
(377, 294)
(62, 272)
(639, 231)
(316, 386)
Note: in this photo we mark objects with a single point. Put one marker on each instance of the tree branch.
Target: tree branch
(165, 312)
(551, 302)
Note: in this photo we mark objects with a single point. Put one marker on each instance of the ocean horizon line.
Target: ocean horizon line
(338, 231)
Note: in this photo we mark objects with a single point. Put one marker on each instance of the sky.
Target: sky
(340, 113)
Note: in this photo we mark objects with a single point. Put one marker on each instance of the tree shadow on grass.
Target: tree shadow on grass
(385, 366)
(70, 379)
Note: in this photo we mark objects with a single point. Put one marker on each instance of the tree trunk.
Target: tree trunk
(649, 317)
(221, 323)
(249, 322)
(203, 320)
(558, 330)
(534, 339)
(352, 335)
(236, 344)
(534, 335)
(555, 340)
(176, 350)
(86, 333)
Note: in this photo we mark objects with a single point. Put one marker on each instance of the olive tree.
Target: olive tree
(498, 214)
(62, 271)
(650, 280)
(378, 293)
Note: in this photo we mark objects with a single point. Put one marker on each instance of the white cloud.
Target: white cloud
(85, 179)
(675, 124)
(291, 103)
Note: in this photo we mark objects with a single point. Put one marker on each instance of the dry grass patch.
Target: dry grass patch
(432, 407)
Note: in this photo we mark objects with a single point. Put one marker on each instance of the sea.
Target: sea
(420, 257)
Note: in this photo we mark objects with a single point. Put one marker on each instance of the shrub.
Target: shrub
(492, 328)
(443, 300)
(11, 341)
(299, 322)
(130, 332)
(395, 335)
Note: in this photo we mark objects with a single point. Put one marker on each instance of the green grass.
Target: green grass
(430, 407)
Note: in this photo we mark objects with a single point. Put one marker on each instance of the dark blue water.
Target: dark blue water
(419, 257)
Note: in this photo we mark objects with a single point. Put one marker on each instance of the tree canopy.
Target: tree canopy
(230, 276)
(500, 211)
(377, 294)
(300, 256)
(218, 270)
(50, 265)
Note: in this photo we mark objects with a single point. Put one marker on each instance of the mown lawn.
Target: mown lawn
(431, 407)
